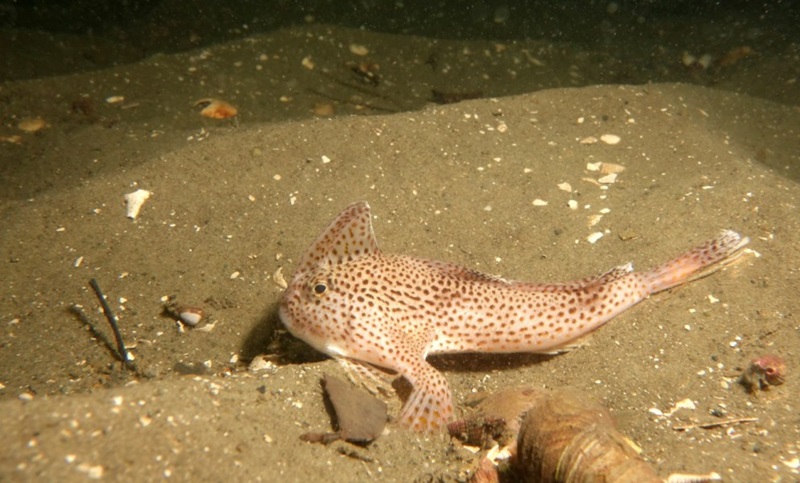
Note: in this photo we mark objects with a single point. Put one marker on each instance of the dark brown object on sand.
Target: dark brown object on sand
(566, 437)
(361, 417)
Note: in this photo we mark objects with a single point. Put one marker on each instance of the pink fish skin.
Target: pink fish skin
(369, 309)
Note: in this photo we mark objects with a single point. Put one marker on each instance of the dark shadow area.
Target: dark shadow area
(474, 362)
(270, 337)
(53, 38)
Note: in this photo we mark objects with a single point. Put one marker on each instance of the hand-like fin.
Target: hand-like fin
(373, 379)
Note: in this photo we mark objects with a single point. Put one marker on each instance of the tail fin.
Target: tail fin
(697, 263)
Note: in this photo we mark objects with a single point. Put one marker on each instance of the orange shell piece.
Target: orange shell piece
(216, 109)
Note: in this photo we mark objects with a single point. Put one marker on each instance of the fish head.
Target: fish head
(317, 304)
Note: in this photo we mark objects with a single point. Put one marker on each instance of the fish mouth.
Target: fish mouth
(284, 313)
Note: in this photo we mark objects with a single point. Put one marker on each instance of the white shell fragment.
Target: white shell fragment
(260, 363)
(539, 202)
(608, 168)
(594, 237)
(191, 316)
(359, 49)
(693, 478)
(134, 202)
(565, 187)
(279, 279)
(608, 179)
(610, 139)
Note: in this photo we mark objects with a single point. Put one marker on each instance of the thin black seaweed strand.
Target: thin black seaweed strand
(112, 319)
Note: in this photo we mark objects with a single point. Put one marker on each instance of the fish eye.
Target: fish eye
(320, 288)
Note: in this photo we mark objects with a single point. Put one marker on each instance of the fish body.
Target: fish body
(369, 309)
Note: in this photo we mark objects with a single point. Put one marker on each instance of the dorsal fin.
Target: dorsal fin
(348, 237)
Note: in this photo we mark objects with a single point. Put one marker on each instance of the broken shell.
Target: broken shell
(134, 202)
(278, 278)
(13, 139)
(191, 316)
(324, 109)
(735, 55)
(767, 370)
(359, 49)
(705, 61)
(32, 124)
(216, 109)
(609, 168)
(260, 363)
(610, 139)
(594, 237)
(608, 179)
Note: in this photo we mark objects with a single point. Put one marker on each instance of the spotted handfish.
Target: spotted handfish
(370, 309)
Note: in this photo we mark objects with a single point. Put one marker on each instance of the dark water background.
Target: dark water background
(39, 38)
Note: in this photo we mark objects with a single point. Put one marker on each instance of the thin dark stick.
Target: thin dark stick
(112, 319)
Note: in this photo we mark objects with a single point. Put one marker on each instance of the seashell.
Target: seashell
(609, 168)
(13, 139)
(260, 363)
(610, 139)
(359, 49)
(324, 109)
(134, 202)
(191, 316)
(32, 124)
(764, 371)
(278, 278)
(216, 109)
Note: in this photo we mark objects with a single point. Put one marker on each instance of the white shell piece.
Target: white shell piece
(693, 478)
(608, 168)
(278, 278)
(260, 363)
(191, 316)
(134, 202)
(608, 179)
(610, 139)
(594, 237)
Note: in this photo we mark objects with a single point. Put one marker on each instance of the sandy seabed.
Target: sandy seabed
(235, 201)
